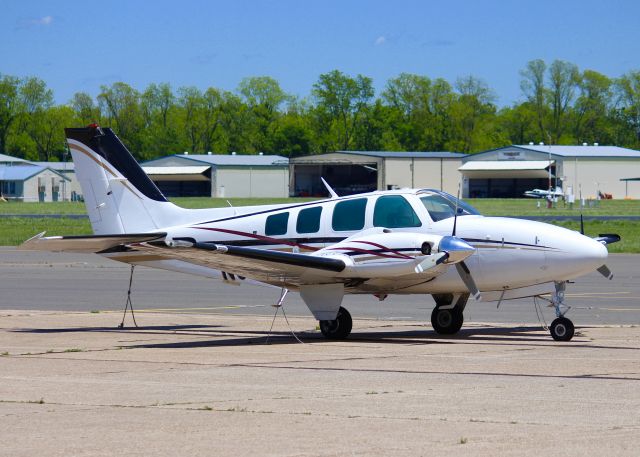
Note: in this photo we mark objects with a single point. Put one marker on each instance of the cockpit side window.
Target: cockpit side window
(441, 207)
(394, 211)
(349, 215)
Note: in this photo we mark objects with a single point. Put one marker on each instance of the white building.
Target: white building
(31, 183)
(350, 172)
(225, 176)
(511, 170)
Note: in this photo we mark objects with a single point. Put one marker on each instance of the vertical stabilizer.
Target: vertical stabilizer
(119, 196)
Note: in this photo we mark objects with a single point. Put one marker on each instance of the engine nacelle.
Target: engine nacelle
(383, 245)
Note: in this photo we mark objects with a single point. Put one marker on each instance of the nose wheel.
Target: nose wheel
(561, 329)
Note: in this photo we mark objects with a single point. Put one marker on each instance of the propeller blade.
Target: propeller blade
(466, 277)
(604, 271)
(581, 224)
(431, 261)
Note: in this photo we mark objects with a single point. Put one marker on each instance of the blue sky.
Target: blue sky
(78, 46)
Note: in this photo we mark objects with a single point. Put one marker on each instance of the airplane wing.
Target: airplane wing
(277, 267)
(85, 243)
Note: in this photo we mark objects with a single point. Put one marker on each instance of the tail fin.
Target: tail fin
(119, 196)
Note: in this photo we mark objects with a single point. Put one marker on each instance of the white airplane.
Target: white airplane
(392, 242)
(540, 193)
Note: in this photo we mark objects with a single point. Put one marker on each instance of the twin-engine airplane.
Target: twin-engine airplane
(393, 242)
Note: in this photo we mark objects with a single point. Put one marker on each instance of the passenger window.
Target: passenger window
(349, 215)
(277, 224)
(309, 220)
(394, 211)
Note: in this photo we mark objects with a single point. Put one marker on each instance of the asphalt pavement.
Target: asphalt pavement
(88, 282)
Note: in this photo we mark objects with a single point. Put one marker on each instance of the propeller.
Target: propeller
(604, 271)
(466, 277)
(458, 250)
(604, 238)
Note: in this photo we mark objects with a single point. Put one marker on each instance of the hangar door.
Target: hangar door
(345, 179)
(506, 179)
(191, 181)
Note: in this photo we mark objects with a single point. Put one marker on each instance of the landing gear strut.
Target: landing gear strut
(562, 329)
(339, 328)
(447, 317)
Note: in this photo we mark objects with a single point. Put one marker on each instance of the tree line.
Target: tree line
(562, 105)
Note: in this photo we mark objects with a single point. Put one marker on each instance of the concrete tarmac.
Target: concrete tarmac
(85, 282)
(208, 385)
(197, 378)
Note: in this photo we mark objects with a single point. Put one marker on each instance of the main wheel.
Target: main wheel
(447, 321)
(562, 329)
(339, 328)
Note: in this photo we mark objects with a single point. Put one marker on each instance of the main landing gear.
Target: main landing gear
(447, 317)
(561, 328)
(338, 328)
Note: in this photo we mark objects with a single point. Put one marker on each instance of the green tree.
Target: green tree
(563, 77)
(86, 111)
(533, 87)
(120, 104)
(9, 107)
(628, 93)
(46, 129)
(263, 97)
(340, 101)
(518, 123)
(472, 116)
(592, 107)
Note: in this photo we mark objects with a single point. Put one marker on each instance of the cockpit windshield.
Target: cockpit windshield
(442, 205)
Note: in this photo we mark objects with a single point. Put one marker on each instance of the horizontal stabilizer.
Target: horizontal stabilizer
(608, 238)
(88, 243)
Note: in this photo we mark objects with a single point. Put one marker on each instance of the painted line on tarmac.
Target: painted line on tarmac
(593, 308)
(586, 294)
(207, 308)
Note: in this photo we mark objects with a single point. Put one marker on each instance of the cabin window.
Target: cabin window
(309, 220)
(277, 224)
(349, 215)
(394, 211)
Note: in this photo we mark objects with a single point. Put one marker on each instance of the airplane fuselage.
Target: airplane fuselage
(511, 253)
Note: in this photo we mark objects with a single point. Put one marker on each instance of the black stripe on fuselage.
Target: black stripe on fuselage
(300, 260)
(510, 243)
(285, 208)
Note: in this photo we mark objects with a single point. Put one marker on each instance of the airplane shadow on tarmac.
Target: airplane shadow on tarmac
(224, 336)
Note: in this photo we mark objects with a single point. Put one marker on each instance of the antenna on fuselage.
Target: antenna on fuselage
(331, 191)
(455, 214)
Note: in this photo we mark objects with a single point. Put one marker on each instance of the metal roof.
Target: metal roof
(176, 170)
(582, 151)
(504, 165)
(58, 166)
(408, 154)
(6, 158)
(229, 160)
(23, 172)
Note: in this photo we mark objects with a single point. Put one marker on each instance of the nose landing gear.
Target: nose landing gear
(562, 329)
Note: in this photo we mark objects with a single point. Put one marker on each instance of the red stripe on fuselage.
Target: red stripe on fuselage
(259, 237)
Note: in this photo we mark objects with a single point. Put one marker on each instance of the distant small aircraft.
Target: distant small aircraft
(540, 193)
(408, 241)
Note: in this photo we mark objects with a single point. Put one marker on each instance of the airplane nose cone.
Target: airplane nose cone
(594, 251)
(457, 248)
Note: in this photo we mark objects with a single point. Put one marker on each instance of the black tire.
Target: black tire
(447, 321)
(562, 329)
(337, 329)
